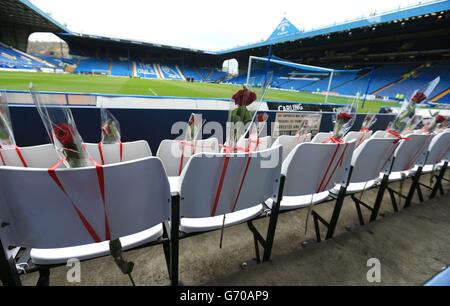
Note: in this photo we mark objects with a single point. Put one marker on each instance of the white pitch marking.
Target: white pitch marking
(152, 91)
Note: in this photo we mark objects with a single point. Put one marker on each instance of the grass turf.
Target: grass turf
(149, 87)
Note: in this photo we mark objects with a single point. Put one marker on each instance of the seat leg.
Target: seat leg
(44, 277)
(273, 222)
(438, 185)
(316, 226)
(393, 200)
(336, 212)
(258, 257)
(413, 188)
(174, 240)
(8, 271)
(359, 212)
(419, 193)
(379, 198)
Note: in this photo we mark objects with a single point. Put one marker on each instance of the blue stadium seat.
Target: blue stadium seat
(14, 59)
(419, 78)
(121, 68)
(190, 72)
(93, 65)
(380, 77)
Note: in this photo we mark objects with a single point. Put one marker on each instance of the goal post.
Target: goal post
(300, 77)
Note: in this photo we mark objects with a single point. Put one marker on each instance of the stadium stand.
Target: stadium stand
(11, 58)
(190, 72)
(379, 78)
(56, 61)
(169, 72)
(146, 70)
(93, 66)
(121, 68)
(422, 75)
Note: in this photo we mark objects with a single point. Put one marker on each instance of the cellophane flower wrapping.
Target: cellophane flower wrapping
(245, 106)
(6, 132)
(303, 130)
(408, 109)
(240, 116)
(344, 118)
(61, 128)
(435, 123)
(368, 122)
(257, 129)
(194, 128)
(110, 127)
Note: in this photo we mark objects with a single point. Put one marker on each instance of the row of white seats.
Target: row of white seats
(140, 192)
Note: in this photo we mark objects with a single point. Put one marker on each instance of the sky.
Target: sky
(203, 24)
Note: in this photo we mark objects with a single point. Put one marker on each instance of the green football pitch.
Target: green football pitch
(149, 87)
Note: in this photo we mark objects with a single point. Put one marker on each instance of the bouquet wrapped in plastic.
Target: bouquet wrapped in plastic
(256, 130)
(435, 123)
(368, 122)
(344, 118)
(408, 109)
(240, 117)
(303, 130)
(62, 130)
(110, 127)
(6, 133)
(194, 127)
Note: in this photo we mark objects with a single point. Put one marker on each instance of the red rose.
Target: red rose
(262, 117)
(244, 97)
(440, 119)
(344, 116)
(64, 133)
(418, 97)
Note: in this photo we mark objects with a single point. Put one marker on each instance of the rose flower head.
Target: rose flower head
(440, 119)
(344, 116)
(64, 133)
(419, 97)
(244, 97)
(262, 117)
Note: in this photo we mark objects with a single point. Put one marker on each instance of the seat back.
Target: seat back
(438, 149)
(321, 137)
(42, 156)
(175, 154)
(42, 213)
(262, 143)
(379, 134)
(359, 137)
(289, 142)
(411, 151)
(111, 153)
(372, 157)
(315, 167)
(215, 184)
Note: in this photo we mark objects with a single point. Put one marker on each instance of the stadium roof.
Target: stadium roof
(408, 12)
(284, 32)
(26, 13)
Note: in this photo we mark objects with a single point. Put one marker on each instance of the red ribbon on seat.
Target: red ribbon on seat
(333, 139)
(183, 144)
(24, 163)
(83, 219)
(397, 135)
(3, 160)
(234, 149)
(326, 178)
(220, 186)
(100, 151)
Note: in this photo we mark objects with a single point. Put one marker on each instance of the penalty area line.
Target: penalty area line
(152, 91)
